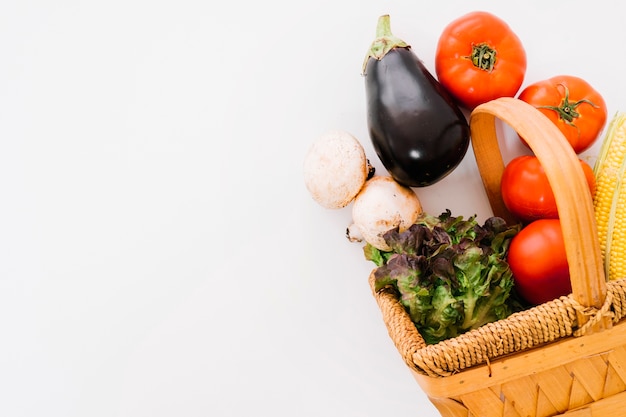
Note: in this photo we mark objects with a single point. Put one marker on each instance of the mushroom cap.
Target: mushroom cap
(382, 205)
(335, 169)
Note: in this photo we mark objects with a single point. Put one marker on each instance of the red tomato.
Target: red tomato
(538, 262)
(526, 192)
(479, 58)
(573, 105)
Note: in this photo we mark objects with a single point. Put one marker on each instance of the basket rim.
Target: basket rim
(519, 332)
(513, 366)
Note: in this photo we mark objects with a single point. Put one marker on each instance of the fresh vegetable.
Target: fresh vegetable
(539, 263)
(526, 191)
(479, 58)
(418, 132)
(610, 199)
(451, 273)
(578, 110)
(382, 204)
(335, 169)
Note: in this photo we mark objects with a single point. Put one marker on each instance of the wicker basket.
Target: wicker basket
(565, 357)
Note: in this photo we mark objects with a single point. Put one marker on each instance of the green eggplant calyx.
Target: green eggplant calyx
(385, 41)
(483, 57)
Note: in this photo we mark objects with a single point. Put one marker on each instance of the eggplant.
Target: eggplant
(417, 130)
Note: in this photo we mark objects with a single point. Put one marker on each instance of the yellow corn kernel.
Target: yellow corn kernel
(617, 249)
(610, 198)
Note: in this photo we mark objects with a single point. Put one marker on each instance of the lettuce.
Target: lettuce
(450, 273)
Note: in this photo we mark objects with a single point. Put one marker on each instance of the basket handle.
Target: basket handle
(562, 167)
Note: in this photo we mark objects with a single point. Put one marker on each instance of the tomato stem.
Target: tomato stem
(567, 110)
(483, 57)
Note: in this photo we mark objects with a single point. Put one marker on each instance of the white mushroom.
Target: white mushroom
(335, 169)
(382, 205)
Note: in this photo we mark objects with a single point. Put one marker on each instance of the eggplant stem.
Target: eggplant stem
(383, 29)
(385, 41)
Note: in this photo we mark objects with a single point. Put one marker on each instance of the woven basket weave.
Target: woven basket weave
(565, 357)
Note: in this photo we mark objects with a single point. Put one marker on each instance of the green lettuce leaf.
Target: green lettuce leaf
(450, 273)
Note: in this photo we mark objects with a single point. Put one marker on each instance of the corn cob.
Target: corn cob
(610, 198)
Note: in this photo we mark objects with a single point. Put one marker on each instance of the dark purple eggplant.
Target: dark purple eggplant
(417, 130)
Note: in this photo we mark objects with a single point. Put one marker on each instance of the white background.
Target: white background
(159, 253)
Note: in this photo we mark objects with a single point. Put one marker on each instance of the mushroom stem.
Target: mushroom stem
(353, 233)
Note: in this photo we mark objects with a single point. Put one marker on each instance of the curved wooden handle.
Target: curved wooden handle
(566, 178)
